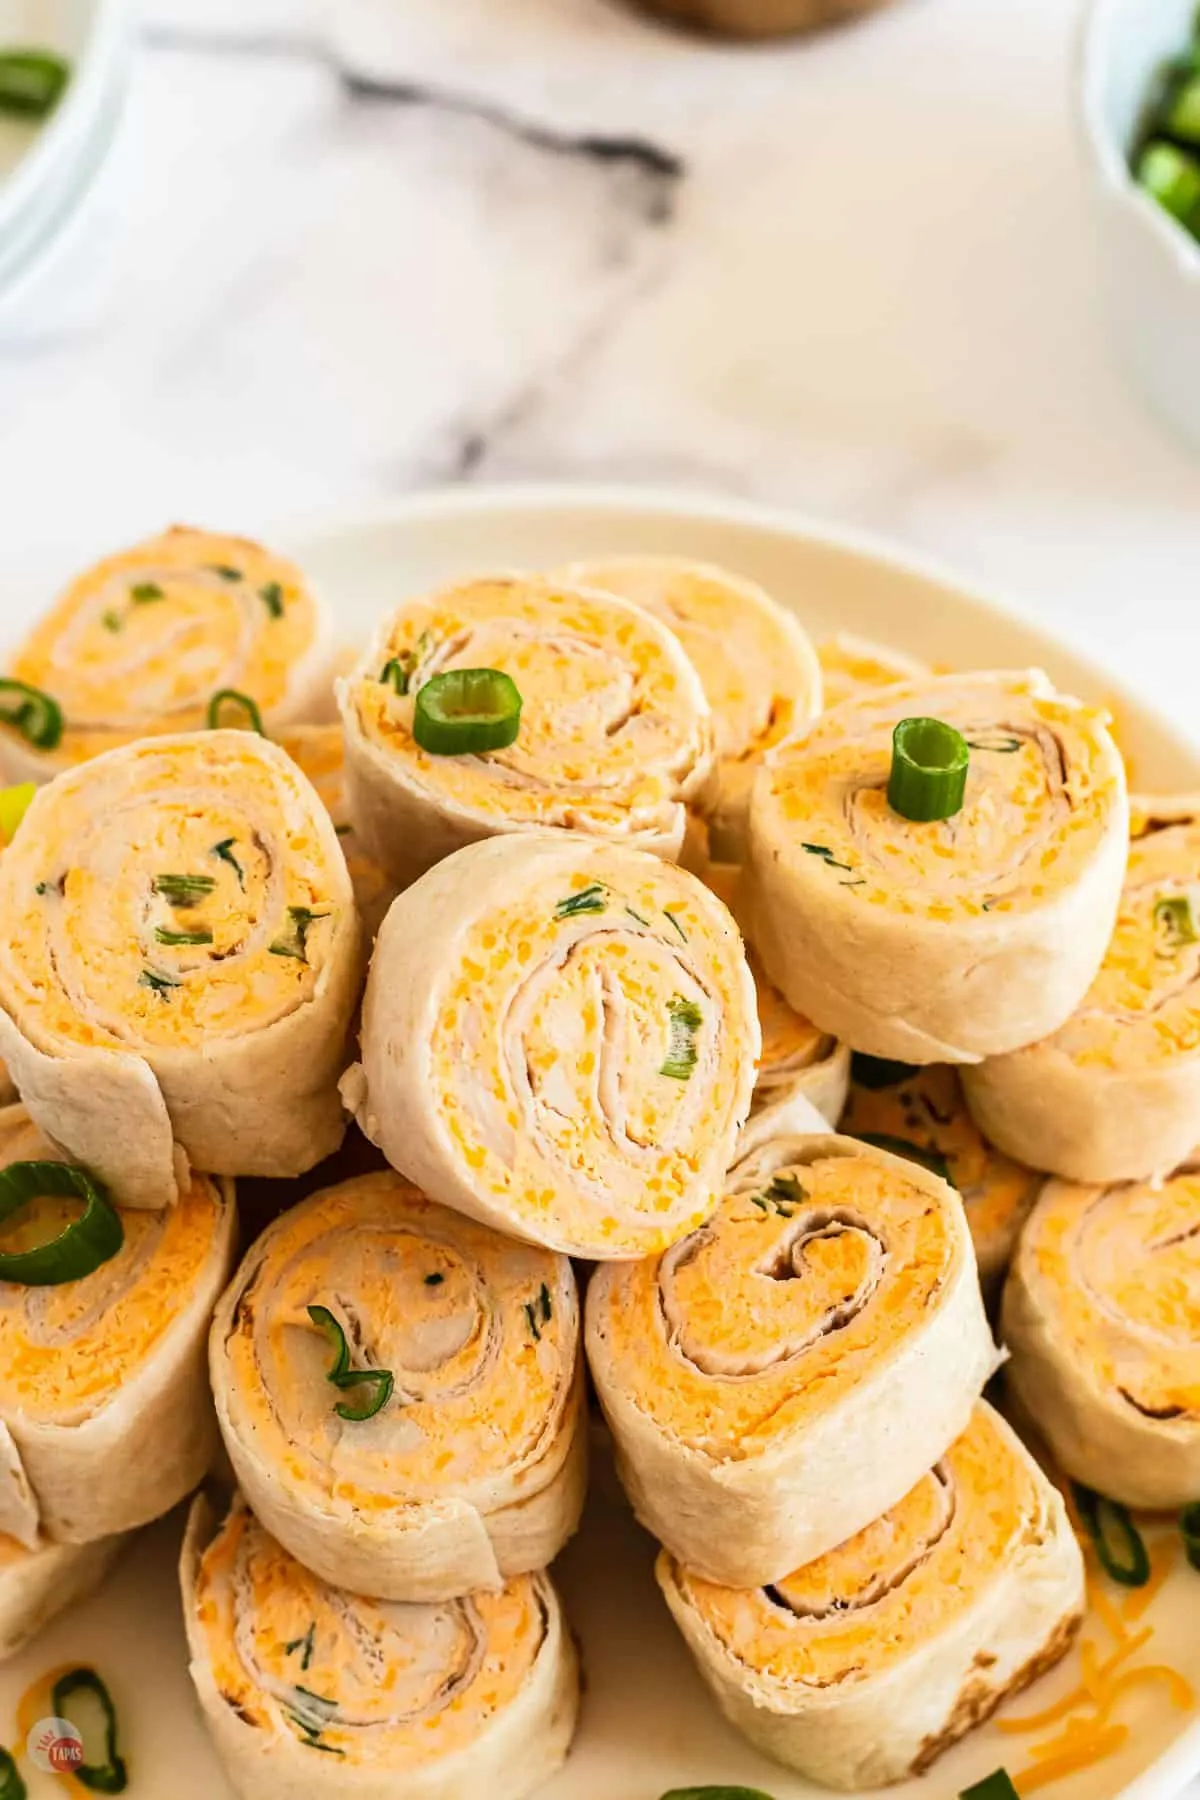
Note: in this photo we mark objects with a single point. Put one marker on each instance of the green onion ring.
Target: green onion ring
(933, 1160)
(14, 804)
(36, 715)
(1189, 1525)
(464, 711)
(233, 697)
(1104, 1517)
(32, 82)
(325, 1323)
(81, 1246)
(12, 1786)
(716, 1793)
(110, 1776)
(996, 1786)
(875, 1072)
(928, 777)
(377, 1383)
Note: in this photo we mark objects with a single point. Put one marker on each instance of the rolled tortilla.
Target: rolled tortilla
(759, 669)
(320, 751)
(36, 1585)
(474, 1468)
(784, 1375)
(103, 1384)
(1101, 1315)
(141, 642)
(956, 939)
(615, 731)
(924, 1108)
(1114, 1094)
(475, 1696)
(863, 1666)
(179, 959)
(851, 665)
(558, 1039)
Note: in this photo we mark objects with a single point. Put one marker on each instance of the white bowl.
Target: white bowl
(1151, 267)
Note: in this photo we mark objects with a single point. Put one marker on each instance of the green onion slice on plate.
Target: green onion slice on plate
(32, 82)
(36, 715)
(464, 711)
(933, 1160)
(373, 1385)
(1189, 1525)
(12, 1787)
(716, 1793)
(14, 804)
(111, 1775)
(226, 698)
(1119, 1545)
(91, 1239)
(1172, 177)
(996, 1786)
(929, 770)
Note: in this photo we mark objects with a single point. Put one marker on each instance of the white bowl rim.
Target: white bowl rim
(92, 71)
(1107, 157)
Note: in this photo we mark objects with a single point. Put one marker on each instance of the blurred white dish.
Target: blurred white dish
(1150, 266)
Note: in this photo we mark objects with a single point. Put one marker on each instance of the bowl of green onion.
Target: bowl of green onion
(1140, 87)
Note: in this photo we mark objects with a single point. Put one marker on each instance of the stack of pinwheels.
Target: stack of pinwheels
(477, 892)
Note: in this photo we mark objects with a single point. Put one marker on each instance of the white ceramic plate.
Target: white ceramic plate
(648, 1724)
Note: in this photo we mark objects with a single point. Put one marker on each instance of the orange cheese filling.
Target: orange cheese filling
(850, 664)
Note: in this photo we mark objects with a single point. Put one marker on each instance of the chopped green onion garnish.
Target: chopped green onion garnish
(637, 915)
(226, 571)
(1172, 177)
(81, 1246)
(544, 1301)
(183, 890)
(996, 746)
(271, 595)
(397, 671)
(376, 1384)
(668, 914)
(933, 1160)
(109, 1776)
(928, 777)
(826, 855)
(587, 900)
(463, 712)
(225, 851)
(1189, 1525)
(32, 82)
(434, 1280)
(787, 1188)
(36, 716)
(1181, 115)
(14, 804)
(296, 944)
(226, 697)
(716, 1793)
(154, 978)
(110, 619)
(996, 1786)
(12, 1787)
(144, 593)
(307, 1642)
(876, 1072)
(1118, 1541)
(182, 937)
(686, 1020)
(1176, 919)
(531, 1319)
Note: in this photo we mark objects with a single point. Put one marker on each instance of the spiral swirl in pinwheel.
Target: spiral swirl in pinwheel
(1114, 1094)
(143, 641)
(782, 1376)
(559, 1039)
(615, 733)
(920, 1112)
(450, 1454)
(179, 958)
(951, 939)
(106, 1416)
(758, 667)
(1101, 1314)
(861, 1667)
(309, 1691)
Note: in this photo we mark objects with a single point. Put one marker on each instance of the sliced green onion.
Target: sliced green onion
(81, 1246)
(1001, 745)
(587, 900)
(1176, 919)
(434, 1280)
(182, 937)
(463, 712)
(145, 593)
(110, 619)
(933, 1160)
(1189, 1525)
(716, 1793)
(875, 1072)
(1118, 1541)
(225, 851)
(226, 571)
(531, 1319)
(787, 1188)
(233, 697)
(396, 672)
(12, 1786)
(307, 1643)
(36, 715)
(376, 1384)
(686, 1020)
(271, 595)
(183, 890)
(1172, 177)
(826, 855)
(296, 945)
(996, 1786)
(14, 804)
(110, 1776)
(32, 82)
(928, 777)
(668, 914)
(154, 978)
(1180, 118)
